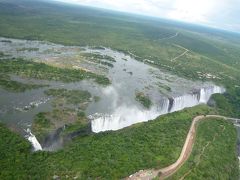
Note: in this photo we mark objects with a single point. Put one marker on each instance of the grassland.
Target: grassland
(214, 153)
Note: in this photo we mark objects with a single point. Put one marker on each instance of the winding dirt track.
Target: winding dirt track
(186, 151)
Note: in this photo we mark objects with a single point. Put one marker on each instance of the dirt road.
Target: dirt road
(169, 37)
(182, 54)
(185, 153)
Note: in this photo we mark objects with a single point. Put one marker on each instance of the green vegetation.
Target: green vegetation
(98, 47)
(14, 155)
(101, 62)
(218, 159)
(210, 51)
(74, 97)
(164, 87)
(113, 155)
(28, 49)
(143, 99)
(99, 59)
(108, 155)
(214, 153)
(15, 86)
(47, 122)
(42, 126)
(227, 103)
(63, 113)
(36, 70)
(96, 98)
(1, 54)
(77, 126)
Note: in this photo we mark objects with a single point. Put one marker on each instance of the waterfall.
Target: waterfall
(190, 100)
(126, 116)
(181, 102)
(163, 106)
(31, 138)
(205, 93)
(123, 116)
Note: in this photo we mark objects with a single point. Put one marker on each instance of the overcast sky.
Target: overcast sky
(224, 14)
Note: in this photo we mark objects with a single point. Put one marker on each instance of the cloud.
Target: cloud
(192, 11)
(214, 13)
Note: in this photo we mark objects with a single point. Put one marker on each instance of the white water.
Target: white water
(184, 101)
(205, 93)
(31, 138)
(117, 107)
(124, 116)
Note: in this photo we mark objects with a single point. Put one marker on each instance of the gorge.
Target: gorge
(125, 116)
(116, 106)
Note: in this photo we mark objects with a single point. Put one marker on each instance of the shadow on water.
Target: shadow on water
(57, 139)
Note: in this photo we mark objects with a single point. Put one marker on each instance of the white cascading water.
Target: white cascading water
(181, 102)
(163, 106)
(125, 116)
(31, 138)
(205, 93)
(122, 117)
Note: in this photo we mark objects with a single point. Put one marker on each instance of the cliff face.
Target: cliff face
(118, 119)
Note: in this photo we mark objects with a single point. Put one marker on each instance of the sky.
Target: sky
(222, 14)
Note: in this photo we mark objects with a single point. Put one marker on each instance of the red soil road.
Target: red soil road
(185, 153)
